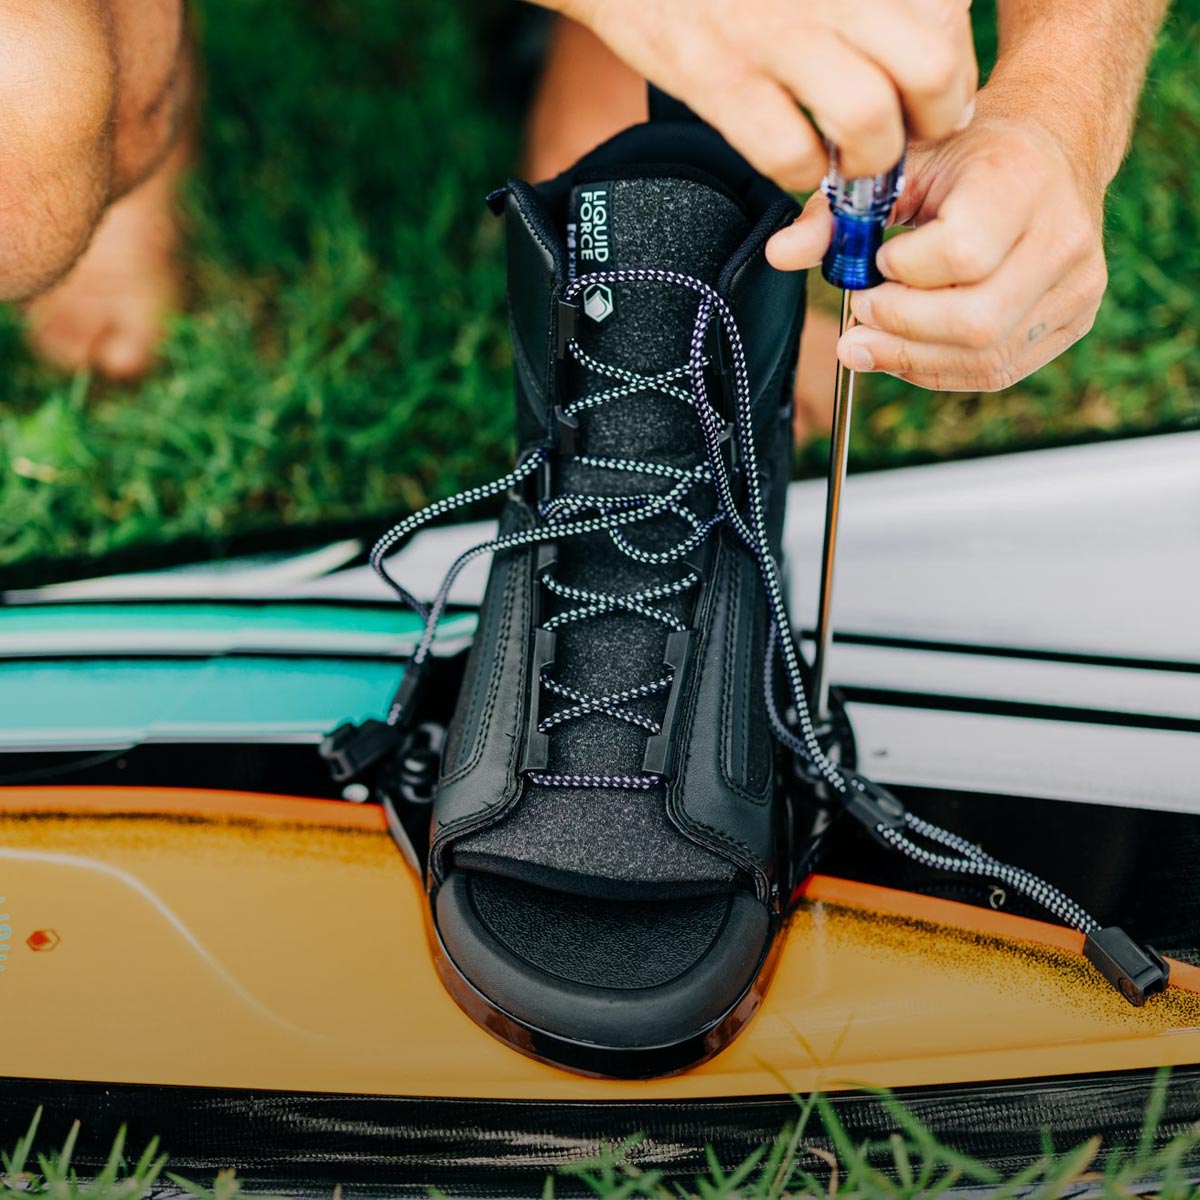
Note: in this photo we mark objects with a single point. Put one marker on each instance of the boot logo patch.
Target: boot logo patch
(593, 225)
(598, 301)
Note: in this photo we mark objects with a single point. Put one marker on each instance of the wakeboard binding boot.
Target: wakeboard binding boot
(614, 839)
(604, 873)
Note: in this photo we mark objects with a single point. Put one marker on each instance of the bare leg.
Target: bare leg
(106, 314)
(586, 95)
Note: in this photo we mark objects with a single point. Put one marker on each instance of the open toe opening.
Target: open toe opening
(590, 983)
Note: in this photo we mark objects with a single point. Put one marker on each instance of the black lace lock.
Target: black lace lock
(1137, 972)
(873, 807)
(352, 750)
(403, 710)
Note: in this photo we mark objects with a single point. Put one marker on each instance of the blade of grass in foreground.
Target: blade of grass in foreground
(802, 1163)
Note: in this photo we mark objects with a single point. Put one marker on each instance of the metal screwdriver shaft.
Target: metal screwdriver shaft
(839, 453)
(860, 210)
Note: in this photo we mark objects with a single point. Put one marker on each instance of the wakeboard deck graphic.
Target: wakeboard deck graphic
(224, 940)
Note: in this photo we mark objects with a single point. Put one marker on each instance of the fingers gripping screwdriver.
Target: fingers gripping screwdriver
(860, 211)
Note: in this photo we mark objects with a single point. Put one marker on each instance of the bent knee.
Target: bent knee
(57, 92)
(155, 84)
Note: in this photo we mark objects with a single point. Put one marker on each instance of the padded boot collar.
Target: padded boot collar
(537, 273)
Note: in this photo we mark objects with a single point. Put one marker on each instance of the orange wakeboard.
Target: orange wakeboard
(230, 940)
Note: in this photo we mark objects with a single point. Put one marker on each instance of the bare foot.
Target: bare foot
(108, 314)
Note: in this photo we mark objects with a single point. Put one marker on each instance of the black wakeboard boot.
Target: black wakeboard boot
(604, 871)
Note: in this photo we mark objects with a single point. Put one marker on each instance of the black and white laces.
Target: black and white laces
(686, 494)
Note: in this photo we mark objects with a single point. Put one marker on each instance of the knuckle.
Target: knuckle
(797, 169)
(969, 258)
(1098, 278)
(1079, 331)
(998, 380)
(868, 112)
(904, 359)
(996, 360)
(931, 381)
(940, 71)
(977, 327)
(1086, 291)
(1078, 239)
(1085, 323)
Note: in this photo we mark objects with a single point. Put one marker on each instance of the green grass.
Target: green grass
(344, 353)
(27, 1171)
(812, 1157)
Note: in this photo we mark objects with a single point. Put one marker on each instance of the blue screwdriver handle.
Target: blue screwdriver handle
(860, 212)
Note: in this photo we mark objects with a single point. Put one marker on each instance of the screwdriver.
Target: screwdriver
(860, 211)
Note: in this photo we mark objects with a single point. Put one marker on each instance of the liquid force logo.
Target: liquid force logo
(598, 301)
(5, 934)
(593, 226)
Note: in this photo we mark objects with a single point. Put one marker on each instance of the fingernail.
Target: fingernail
(967, 117)
(860, 358)
(860, 306)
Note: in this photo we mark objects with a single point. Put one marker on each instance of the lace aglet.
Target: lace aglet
(1137, 972)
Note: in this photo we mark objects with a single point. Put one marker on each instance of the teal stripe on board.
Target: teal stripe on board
(207, 617)
(46, 704)
(84, 632)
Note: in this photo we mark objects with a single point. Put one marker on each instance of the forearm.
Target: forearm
(1075, 68)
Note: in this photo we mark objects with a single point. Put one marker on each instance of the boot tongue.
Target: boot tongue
(674, 224)
(652, 220)
(600, 842)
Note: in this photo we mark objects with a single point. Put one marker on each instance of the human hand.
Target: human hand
(1004, 271)
(865, 71)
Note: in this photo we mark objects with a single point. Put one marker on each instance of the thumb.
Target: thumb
(804, 242)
